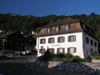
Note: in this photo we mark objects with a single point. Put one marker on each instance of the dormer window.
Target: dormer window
(56, 29)
(67, 27)
(48, 30)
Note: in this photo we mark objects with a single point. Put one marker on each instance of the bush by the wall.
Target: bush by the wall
(60, 55)
(68, 55)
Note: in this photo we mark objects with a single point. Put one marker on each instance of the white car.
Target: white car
(23, 52)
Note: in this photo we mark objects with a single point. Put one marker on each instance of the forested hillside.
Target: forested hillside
(10, 22)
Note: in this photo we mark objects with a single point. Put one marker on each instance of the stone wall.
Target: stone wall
(87, 67)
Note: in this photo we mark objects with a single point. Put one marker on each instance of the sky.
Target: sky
(41, 8)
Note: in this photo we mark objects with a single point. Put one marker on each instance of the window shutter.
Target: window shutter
(63, 50)
(53, 40)
(74, 37)
(44, 50)
(44, 40)
(63, 39)
(74, 50)
(40, 41)
(68, 50)
(49, 40)
(57, 50)
(58, 39)
(68, 38)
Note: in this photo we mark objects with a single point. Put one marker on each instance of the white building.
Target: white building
(68, 35)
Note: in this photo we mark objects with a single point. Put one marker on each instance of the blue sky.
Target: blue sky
(41, 8)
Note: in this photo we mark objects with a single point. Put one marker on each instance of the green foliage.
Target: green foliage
(68, 55)
(85, 60)
(60, 55)
(66, 59)
(52, 53)
(55, 59)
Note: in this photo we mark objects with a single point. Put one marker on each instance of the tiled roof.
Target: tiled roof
(75, 26)
(64, 21)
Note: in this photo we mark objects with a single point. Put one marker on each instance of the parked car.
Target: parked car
(23, 52)
(17, 53)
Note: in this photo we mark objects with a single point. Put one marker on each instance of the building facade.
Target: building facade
(68, 35)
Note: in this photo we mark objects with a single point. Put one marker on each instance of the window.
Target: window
(41, 50)
(87, 40)
(71, 38)
(87, 52)
(95, 44)
(56, 29)
(60, 50)
(42, 41)
(91, 51)
(67, 27)
(72, 50)
(51, 40)
(61, 39)
(51, 49)
(48, 30)
(91, 41)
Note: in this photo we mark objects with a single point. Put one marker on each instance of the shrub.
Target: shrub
(55, 59)
(52, 53)
(97, 57)
(60, 55)
(85, 60)
(60, 59)
(68, 55)
(66, 59)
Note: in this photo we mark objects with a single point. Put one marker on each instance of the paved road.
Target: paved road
(16, 66)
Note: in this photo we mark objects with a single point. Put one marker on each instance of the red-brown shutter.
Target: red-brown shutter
(53, 49)
(44, 50)
(57, 50)
(74, 50)
(68, 38)
(68, 50)
(63, 50)
(44, 40)
(40, 41)
(63, 39)
(53, 40)
(58, 39)
(74, 37)
(49, 40)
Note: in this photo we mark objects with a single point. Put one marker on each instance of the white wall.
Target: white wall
(78, 43)
(89, 46)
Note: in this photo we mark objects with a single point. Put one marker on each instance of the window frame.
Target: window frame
(52, 49)
(67, 27)
(69, 38)
(42, 42)
(63, 39)
(41, 51)
(95, 44)
(59, 51)
(48, 30)
(87, 40)
(57, 29)
(74, 50)
(91, 42)
(49, 40)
